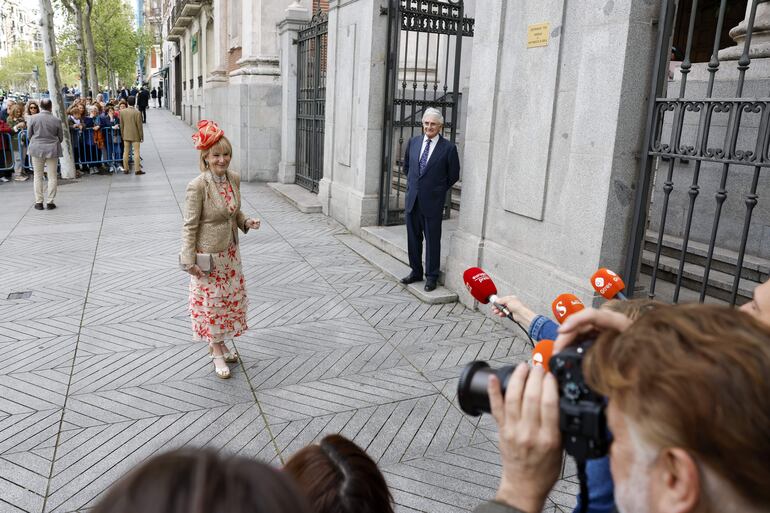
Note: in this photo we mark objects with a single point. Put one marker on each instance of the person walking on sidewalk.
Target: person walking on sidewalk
(45, 137)
(154, 95)
(160, 96)
(133, 135)
(212, 217)
(142, 101)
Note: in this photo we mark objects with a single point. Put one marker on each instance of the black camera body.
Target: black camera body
(582, 416)
(582, 412)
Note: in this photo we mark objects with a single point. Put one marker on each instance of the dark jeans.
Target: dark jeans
(144, 114)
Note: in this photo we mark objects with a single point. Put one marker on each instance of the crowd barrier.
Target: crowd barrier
(91, 147)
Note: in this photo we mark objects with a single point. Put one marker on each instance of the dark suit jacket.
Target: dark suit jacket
(142, 99)
(442, 171)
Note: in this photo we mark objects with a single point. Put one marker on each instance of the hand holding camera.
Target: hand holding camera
(530, 443)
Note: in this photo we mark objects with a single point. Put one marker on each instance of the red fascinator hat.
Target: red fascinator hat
(207, 135)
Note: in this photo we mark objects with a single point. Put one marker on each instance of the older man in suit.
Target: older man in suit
(432, 166)
(132, 133)
(45, 137)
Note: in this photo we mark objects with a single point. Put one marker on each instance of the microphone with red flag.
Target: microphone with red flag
(565, 305)
(483, 290)
(542, 353)
(608, 284)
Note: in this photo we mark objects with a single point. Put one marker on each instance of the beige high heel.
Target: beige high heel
(231, 355)
(223, 373)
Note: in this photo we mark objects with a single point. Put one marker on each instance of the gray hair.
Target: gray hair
(435, 113)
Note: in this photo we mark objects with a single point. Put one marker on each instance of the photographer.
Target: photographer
(688, 406)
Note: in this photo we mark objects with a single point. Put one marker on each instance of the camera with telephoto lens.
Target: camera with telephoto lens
(582, 418)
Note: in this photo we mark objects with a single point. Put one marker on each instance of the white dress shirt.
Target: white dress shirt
(432, 147)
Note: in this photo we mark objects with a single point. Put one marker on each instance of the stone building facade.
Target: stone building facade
(223, 63)
(18, 26)
(553, 117)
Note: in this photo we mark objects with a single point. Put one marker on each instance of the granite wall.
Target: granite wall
(552, 143)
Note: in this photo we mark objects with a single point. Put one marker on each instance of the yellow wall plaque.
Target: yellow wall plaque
(537, 35)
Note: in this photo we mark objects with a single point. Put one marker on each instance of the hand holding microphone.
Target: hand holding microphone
(483, 290)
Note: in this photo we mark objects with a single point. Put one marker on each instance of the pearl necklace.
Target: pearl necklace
(219, 179)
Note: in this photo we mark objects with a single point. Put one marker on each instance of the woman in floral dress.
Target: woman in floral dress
(212, 217)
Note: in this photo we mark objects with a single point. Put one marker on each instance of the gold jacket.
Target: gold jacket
(208, 225)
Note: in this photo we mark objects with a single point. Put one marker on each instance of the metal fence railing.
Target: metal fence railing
(91, 147)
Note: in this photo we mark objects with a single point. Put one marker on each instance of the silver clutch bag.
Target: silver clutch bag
(205, 261)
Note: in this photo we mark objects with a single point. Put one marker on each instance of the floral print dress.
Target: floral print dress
(218, 301)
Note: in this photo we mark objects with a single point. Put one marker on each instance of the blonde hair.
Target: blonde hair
(16, 110)
(221, 146)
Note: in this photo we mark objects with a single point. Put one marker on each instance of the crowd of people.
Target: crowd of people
(97, 140)
(105, 135)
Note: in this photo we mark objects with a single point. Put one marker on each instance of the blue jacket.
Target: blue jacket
(442, 171)
(543, 328)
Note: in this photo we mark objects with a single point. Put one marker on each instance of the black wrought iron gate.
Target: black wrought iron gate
(311, 101)
(424, 56)
(705, 149)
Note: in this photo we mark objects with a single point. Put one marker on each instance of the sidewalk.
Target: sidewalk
(101, 371)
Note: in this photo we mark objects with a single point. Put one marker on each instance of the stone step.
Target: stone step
(720, 284)
(303, 199)
(396, 270)
(754, 268)
(393, 241)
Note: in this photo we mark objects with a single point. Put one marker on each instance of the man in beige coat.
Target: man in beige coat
(132, 133)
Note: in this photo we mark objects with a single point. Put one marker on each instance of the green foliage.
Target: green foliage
(16, 69)
(116, 43)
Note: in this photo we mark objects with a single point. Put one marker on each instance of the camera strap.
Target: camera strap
(583, 480)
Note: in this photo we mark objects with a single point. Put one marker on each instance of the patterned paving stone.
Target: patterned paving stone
(109, 375)
(24, 477)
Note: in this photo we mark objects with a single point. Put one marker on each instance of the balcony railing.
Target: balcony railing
(182, 14)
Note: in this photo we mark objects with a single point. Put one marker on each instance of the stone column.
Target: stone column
(219, 71)
(355, 92)
(254, 58)
(760, 34)
(296, 17)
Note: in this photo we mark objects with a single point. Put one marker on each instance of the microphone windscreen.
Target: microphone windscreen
(607, 283)
(565, 305)
(541, 354)
(479, 284)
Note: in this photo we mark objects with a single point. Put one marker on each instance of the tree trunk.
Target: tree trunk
(76, 10)
(90, 51)
(54, 85)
